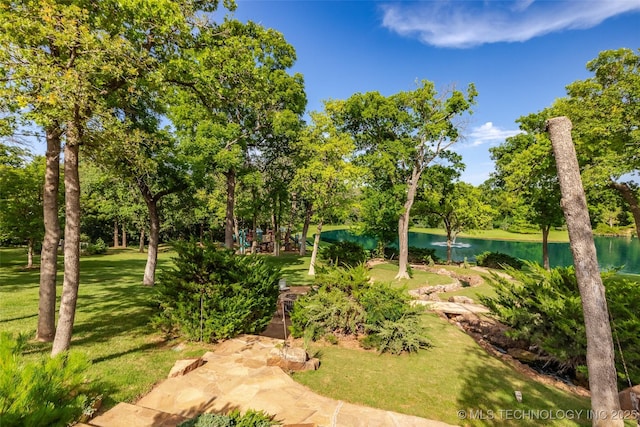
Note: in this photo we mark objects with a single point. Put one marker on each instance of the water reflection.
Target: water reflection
(612, 251)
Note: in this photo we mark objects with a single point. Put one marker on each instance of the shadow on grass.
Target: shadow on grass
(28, 316)
(488, 397)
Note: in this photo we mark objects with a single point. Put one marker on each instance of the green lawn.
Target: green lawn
(454, 375)
(128, 356)
(111, 325)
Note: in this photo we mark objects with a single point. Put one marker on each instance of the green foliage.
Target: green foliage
(347, 303)
(49, 391)
(344, 254)
(498, 260)
(544, 308)
(97, 248)
(416, 255)
(250, 419)
(212, 294)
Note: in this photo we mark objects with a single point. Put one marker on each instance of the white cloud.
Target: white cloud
(462, 24)
(489, 134)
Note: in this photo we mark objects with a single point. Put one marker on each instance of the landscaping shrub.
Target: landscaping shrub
(415, 255)
(346, 303)
(498, 260)
(344, 254)
(213, 294)
(250, 419)
(97, 248)
(50, 391)
(544, 308)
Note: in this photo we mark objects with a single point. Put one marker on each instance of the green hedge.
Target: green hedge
(213, 294)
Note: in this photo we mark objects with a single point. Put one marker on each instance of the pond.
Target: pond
(612, 251)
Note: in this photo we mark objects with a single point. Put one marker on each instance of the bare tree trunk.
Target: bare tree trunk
(314, 253)
(115, 233)
(545, 246)
(276, 233)
(600, 350)
(124, 235)
(403, 227)
(231, 198)
(49, 254)
(449, 245)
(632, 200)
(305, 229)
(29, 253)
(62, 340)
(154, 240)
(141, 245)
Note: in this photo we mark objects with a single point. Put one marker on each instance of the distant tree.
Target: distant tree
(398, 136)
(525, 167)
(458, 205)
(326, 174)
(21, 204)
(604, 110)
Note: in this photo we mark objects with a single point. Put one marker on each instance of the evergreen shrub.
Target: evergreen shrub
(344, 254)
(498, 260)
(544, 308)
(49, 391)
(347, 303)
(212, 294)
(234, 419)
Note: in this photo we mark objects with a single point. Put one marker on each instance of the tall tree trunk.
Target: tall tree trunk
(545, 246)
(231, 199)
(154, 240)
(305, 228)
(62, 340)
(631, 198)
(276, 233)
(141, 245)
(49, 254)
(600, 350)
(124, 234)
(449, 243)
(29, 253)
(403, 227)
(314, 253)
(115, 233)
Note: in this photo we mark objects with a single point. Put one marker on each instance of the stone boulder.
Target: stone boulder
(292, 359)
(460, 299)
(182, 367)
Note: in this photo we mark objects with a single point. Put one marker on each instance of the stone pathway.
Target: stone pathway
(235, 376)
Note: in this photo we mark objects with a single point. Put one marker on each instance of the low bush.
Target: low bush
(99, 247)
(347, 303)
(250, 419)
(415, 255)
(50, 391)
(213, 294)
(498, 260)
(344, 254)
(544, 308)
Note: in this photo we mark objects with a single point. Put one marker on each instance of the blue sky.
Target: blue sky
(520, 54)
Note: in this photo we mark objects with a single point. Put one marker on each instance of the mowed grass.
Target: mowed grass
(128, 356)
(112, 320)
(454, 375)
(497, 234)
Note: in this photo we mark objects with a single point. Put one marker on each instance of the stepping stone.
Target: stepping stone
(127, 415)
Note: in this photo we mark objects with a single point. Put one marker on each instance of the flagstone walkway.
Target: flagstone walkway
(236, 376)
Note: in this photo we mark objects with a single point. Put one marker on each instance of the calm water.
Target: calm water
(612, 251)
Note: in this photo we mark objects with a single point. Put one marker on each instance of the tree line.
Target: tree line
(161, 122)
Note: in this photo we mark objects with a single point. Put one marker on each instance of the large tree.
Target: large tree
(326, 176)
(62, 61)
(458, 205)
(233, 91)
(398, 136)
(525, 166)
(604, 110)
